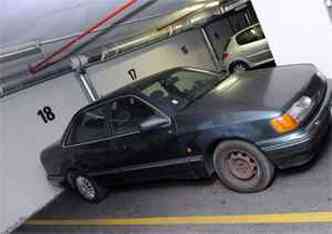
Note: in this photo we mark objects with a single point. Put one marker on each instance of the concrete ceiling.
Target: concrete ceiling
(28, 20)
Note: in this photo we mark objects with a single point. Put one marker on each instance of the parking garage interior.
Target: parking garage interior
(62, 56)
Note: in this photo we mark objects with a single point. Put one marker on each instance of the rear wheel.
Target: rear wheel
(238, 67)
(88, 188)
(242, 167)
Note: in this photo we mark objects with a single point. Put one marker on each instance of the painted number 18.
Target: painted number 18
(46, 114)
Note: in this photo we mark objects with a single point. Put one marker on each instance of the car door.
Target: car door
(145, 155)
(89, 142)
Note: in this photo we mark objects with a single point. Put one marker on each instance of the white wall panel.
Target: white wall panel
(298, 31)
(25, 187)
(164, 55)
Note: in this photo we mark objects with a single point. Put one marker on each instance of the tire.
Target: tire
(70, 177)
(88, 188)
(238, 67)
(242, 167)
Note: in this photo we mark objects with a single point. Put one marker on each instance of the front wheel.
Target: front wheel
(88, 188)
(242, 167)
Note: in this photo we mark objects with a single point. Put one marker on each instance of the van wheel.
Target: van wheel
(88, 188)
(238, 67)
(242, 167)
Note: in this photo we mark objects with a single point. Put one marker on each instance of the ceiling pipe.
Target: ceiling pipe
(206, 13)
(78, 64)
(234, 5)
(49, 60)
(14, 53)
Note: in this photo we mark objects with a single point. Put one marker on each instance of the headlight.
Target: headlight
(300, 109)
(294, 116)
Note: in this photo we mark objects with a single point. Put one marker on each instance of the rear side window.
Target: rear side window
(89, 126)
(250, 35)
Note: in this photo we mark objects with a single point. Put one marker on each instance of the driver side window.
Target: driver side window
(127, 114)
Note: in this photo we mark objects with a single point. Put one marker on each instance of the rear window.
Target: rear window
(250, 35)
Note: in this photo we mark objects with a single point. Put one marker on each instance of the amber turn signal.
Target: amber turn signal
(284, 124)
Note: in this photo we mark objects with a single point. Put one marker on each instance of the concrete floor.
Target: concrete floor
(305, 189)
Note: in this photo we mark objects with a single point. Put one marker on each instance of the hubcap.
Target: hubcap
(242, 165)
(85, 187)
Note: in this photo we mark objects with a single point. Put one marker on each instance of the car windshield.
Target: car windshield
(180, 88)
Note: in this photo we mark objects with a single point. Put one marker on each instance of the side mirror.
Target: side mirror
(153, 122)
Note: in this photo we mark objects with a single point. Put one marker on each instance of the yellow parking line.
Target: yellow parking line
(286, 218)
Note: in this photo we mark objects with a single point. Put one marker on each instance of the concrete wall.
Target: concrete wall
(164, 55)
(24, 185)
(298, 31)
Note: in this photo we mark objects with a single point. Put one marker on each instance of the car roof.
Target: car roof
(132, 88)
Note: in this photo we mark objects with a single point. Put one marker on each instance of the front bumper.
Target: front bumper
(300, 147)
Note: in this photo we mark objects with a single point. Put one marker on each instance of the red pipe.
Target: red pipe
(47, 61)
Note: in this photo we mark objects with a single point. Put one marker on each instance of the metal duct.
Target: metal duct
(209, 11)
(233, 5)
(13, 53)
(133, 44)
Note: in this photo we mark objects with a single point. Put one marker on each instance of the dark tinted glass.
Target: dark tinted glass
(89, 126)
(251, 35)
(177, 89)
(128, 113)
(259, 32)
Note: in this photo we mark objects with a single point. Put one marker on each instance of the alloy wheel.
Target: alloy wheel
(85, 188)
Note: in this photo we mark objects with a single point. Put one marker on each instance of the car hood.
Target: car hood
(273, 89)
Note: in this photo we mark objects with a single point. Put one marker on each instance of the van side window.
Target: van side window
(88, 126)
(250, 35)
